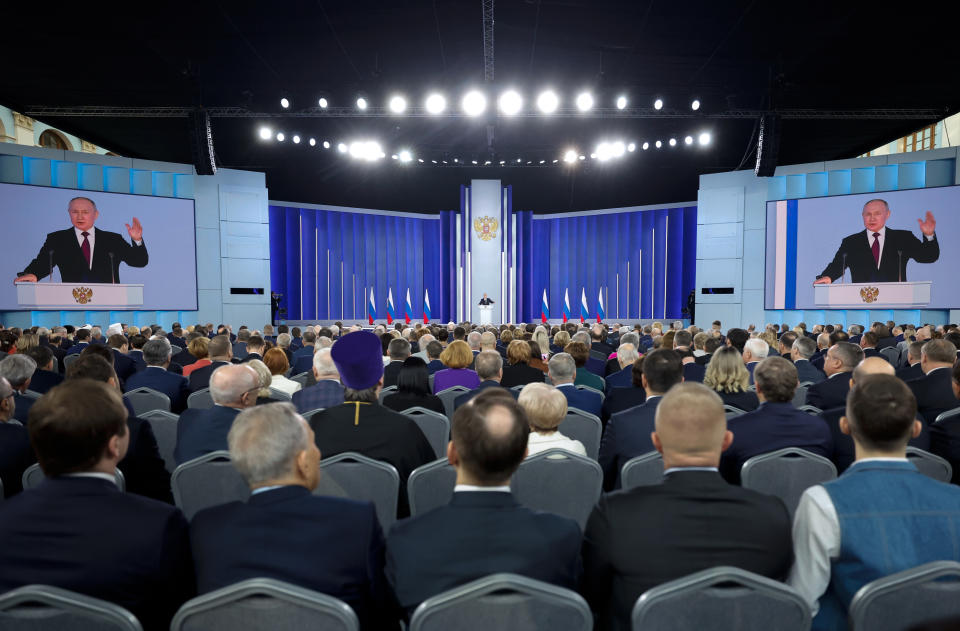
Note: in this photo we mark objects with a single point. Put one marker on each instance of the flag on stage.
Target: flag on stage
(371, 307)
(426, 306)
(544, 308)
(584, 310)
(600, 313)
(566, 305)
(391, 310)
(407, 308)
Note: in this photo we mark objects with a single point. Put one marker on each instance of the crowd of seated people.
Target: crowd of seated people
(280, 400)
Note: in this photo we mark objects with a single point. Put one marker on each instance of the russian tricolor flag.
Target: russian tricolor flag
(408, 308)
(371, 307)
(600, 312)
(566, 305)
(391, 310)
(544, 308)
(584, 310)
(426, 307)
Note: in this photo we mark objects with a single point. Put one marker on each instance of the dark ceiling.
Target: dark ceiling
(750, 55)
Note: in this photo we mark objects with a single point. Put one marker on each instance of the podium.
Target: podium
(872, 295)
(486, 314)
(80, 296)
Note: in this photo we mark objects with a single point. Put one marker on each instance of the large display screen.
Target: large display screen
(133, 243)
(894, 249)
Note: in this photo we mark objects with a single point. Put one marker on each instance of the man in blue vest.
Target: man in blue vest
(880, 517)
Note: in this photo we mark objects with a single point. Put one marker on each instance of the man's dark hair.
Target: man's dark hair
(953, 336)
(219, 346)
(459, 333)
(296, 331)
(434, 349)
(869, 338)
(243, 334)
(255, 341)
(940, 351)
(71, 425)
(850, 355)
(137, 341)
(683, 338)
(711, 345)
(325, 332)
(828, 328)
(579, 352)
(838, 336)
(91, 366)
(398, 349)
(636, 372)
(881, 410)
(489, 457)
(42, 355)
(116, 341)
(737, 338)
(663, 369)
(98, 350)
(309, 337)
(442, 335)
(83, 334)
(776, 379)
(787, 339)
(283, 328)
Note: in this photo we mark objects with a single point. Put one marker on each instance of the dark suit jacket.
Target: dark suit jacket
(806, 371)
(893, 266)
(466, 396)
(622, 378)
(641, 538)
(703, 360)
(202, 431)
(239, 350)
(934, 392)
(844, 452)
(248, 356)
(907, 374)
(582, 399)
(477, 534)
(77, 348)
(620, 399)
(520, 375)
(870, 352)
(184, 358)
(84, 535)
(200, 378)
(43, 380)
(123, 365)
(23, 405)
(143, 467)
(323, 394)
(434, 365)
(136, 355)
(174, 386)
(16, 455)
(67, 256)
(770, 427)
(627, 435)
(693, 371)
(945, 442)
(745, 401)
(831, 392)
(330, 545)
(391, 372)
(400, 402)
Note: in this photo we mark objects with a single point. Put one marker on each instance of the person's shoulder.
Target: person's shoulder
(216, 516)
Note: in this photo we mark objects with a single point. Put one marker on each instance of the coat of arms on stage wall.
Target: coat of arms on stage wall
(869, 294)
(486, 228)
(82, 294)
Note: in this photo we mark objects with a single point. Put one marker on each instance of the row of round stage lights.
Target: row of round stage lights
(474, 103)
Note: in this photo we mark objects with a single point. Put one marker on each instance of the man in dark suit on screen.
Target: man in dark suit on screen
(86, 254)
(880, 254)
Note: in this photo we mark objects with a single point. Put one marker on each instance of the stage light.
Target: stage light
(265, 133)
(405, 156)
(658, 104)
(487, 163)
(646, 146)
(357, 150)
(555, 161)
(570, 156)
(502, 162)
(695, 105)
(420, 160)
(398, 104)
(548, 102)
(673, 142)
(285, 103)
(621, 102)
(296, 139)
(444, 161)
(582, 157)
(280, 136)
(342, 148)
(371, 151)
(393, 157)
(511, 103)
(604, 152)
(658, 144)
(436, 103)
(632, 147)
(593, 156)
(474, 103)
(617, 149)
(518, 160)
(361, 103)
(688, 140)
(473, 161)
(457, 160)
(326, 144)
(704, 138)
(542, 161)
(584, 101)
(434, 161)
(323, 102)
(313, 142)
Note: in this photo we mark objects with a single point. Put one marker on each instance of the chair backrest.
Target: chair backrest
(164, 426)
(45, 608)
(207, 481)
(892, 355)
(362, 478)
(806, 384)
(30, 394)
(810, 409)
(174, 349)
(301, 378)
(385, 392)
(786, 473)
(307, 415)
(732, 411)
(518, 388)
(947, 414)
(930, 465)
(430, 381)
(504, 601)
(644, 470)
(742, 599)
(585, 427)
(800, 396)
(431, 486)
(560, 482)
(926, 593)
(280, 395)
(33, 476)
(145, 399)
(449, 396)
(69, 359)
(589, 389)
(435, 426)
(201, 399)
(263, 603)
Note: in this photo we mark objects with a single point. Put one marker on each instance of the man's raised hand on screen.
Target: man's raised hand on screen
(928, 225)
(823, 280)
(135, 231)
(26, 278)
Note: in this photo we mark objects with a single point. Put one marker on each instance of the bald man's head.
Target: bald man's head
(691, 427)
(489, 438)
(872, 366)
(234, 385)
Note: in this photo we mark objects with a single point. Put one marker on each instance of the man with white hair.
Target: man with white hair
(156, 354)
(473, 339)
(327, 392)
(626, 355)
(327, 544)
(233, 387)
(755, 350)
(18, 369)
(422, 343)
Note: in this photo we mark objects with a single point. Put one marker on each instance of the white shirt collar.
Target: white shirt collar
(882, 232)
(879, 460)
(940, 368)
(484, 489)
(676, 469)
(93, 474)
(264, 489)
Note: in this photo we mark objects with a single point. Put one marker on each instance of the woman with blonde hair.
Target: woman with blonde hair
(543, 341)
(519, 372)
(265, 378)
(457, 358)
(546, 407)
(727, 375)
(560, 340)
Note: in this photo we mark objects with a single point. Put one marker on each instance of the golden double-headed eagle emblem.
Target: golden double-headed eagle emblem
(82, 294)
(486, 228)
(869, 294)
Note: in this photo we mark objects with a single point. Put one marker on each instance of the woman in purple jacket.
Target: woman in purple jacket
(457, 358)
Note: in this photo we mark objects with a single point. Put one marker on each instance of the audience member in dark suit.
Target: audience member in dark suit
(185, 357)
(398, 350)
(945, 435)
(868, 344)
(489, 366)
(562, 372)
(776, 423)
(135, 353)
(823, 345)
(628, 432)
(220, 353)
(240, 346)
(413, 389)
(627, 355)
(693, 371)
(755, 350)
(77, 531)
(643, 537)
(621, 399)
(254, 349)
(934, 391)
(156, 353)
(16, 454)
(81, 342)
(709, 347)
(841, 359)
(18, 370)
(433, 350)
(801, 352)
(597, 342)
(728, 377)
(327, 392)
(234, 387)
(123, 365)
(45, 376)
(327, 544)
(483, 530)
(519, 372)
(303, 356)
(913, 370)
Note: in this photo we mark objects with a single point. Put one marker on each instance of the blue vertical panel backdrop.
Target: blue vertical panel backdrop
(325, 262)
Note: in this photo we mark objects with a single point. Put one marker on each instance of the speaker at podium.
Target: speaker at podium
(486, 310)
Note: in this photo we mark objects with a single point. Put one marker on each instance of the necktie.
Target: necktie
(876, 248)
(85, 248)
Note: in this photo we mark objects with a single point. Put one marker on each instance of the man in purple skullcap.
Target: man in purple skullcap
(360, 424)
